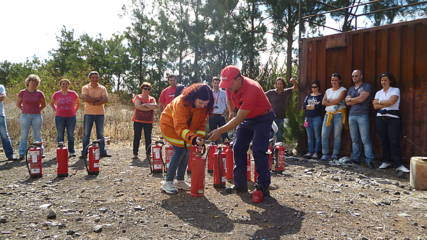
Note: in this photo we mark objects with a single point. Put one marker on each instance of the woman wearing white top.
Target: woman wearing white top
(388, 122)
(335, 117)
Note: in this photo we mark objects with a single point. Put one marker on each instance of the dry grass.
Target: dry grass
(118, 125)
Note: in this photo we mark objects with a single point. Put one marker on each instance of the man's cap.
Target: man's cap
(93, 73)
(227, 74)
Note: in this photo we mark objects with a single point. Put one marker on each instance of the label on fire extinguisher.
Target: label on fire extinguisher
(96, 152)
(33, 156)
(96, 165)
(157, 154)
(157, 166)
(35, 170)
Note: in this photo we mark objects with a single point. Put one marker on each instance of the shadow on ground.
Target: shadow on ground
(198, 212)
(275, 220)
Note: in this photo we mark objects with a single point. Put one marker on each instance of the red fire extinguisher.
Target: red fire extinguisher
(62, 160)
(229, 164)
(219, 167)
(169, 151)
(92, 165)
(156, 161)
(33, 157)
(212, 148)
(279, 157)
(198, 170)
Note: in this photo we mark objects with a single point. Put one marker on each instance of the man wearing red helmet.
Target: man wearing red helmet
(254, 118)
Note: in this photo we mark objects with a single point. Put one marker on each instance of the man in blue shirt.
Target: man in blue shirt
(358, 98)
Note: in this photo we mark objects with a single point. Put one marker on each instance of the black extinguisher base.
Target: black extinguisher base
(62, 175)
(222, 185)
(210, 171)
(36, 176)
(93, 173)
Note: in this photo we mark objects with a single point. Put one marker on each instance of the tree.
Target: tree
(286, 19)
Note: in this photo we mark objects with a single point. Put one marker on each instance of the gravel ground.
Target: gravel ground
(310, 200)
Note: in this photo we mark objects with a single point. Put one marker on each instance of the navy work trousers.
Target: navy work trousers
(257, 131)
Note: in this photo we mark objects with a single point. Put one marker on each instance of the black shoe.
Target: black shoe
(105, 155)
(72, 155)
(22, 157)
(12, 158)
(234, 189)
(315, 156)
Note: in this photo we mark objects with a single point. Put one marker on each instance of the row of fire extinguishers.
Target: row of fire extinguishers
(34, 153)
(220, 163)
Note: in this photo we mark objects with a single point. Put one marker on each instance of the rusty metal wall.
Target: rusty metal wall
(400, 49)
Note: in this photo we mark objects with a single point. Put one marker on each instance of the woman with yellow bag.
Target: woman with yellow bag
(335, 117)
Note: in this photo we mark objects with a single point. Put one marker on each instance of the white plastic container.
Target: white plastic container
(418, 175)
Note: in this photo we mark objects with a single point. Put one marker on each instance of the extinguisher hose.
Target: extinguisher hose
(84, 159)
(149, 160)
(26, 160)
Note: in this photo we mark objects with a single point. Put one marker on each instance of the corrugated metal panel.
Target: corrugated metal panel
(400, 49)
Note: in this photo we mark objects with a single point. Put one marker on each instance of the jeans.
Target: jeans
(178, 162)
(5, 139)
(216, 121)
(34, 121)
(359, 131)
(313, 133)
(389, 131)
(257, 131)
(281, 129)
(99, 124)
(137, 129)
(336, 125)
(66, 122)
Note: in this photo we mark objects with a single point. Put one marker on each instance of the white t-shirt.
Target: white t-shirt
(384, 96)
(334, 94)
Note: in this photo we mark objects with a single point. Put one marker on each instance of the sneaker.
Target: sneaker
(384, 165)
(182, 185)
(168, 187)
(315, 156)
(402, 168)
(334, 158)
(307, 155)
(324, 158)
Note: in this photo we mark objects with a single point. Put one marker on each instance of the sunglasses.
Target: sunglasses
(146, 88)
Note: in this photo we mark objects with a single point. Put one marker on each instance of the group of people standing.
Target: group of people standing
(358, 99)
(65, 103)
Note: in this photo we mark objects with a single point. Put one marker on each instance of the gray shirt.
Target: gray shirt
(279, 101)
(2, 92)
(363, 107)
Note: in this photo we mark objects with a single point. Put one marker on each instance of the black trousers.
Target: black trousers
(389, 131)
(137, 130)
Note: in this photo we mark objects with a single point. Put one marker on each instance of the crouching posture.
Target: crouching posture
(182, 124)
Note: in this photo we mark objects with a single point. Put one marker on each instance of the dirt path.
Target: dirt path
(309, 201)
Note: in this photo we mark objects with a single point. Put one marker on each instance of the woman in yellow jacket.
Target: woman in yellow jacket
(182, 124)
